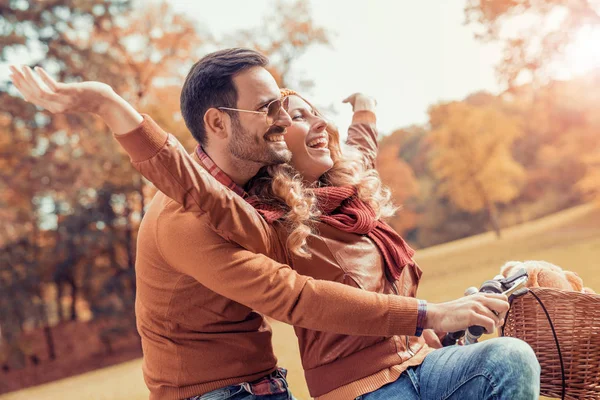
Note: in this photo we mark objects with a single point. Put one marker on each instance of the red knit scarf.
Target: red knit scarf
(342, 210)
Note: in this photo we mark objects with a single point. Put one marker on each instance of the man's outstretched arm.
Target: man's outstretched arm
(154, 153)
(91, 97)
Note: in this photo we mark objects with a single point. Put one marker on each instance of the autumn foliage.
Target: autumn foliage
(71, 204)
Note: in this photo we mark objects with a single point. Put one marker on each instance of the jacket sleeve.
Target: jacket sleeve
(274, 289)
(161, 159)
(362, 134)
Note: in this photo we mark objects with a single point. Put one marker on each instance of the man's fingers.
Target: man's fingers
(488, 323)
(40, 94)
(48, 80)
(19, 81)
(38, 90)
(498, 304)
(35, 81)
(498, 296)
(502, 315)
(487, 312)
(17, 73)
(30, 97)
(28, 85)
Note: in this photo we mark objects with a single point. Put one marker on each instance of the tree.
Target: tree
(560, 124)
(471, 157)
(284, 36)
(150, 47)
(550, 26)
(398, 176)
(534, 33)
(64, 174)
(590, 183)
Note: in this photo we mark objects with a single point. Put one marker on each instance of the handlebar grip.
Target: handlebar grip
(451, 337)
(476, 330)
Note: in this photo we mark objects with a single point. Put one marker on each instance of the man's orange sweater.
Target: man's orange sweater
(200, 295)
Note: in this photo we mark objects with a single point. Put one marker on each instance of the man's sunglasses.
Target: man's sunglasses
(271, 114)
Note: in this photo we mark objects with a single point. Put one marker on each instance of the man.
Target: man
(196, 287)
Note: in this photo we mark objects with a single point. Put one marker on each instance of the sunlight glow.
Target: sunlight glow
(584, 54)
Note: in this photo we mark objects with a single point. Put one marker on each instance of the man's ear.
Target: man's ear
(216, 122)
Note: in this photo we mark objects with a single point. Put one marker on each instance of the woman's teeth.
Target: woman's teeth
(275, 138)
(320, 142)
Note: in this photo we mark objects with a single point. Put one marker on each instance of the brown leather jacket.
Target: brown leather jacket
(329, 360)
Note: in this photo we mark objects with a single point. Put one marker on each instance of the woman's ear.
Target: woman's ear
(216, 123)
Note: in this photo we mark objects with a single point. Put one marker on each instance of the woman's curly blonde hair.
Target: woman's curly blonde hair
(282, 186)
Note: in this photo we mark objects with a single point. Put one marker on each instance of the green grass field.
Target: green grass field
(570, 239)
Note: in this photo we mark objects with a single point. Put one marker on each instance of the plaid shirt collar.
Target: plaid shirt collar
(218, 173)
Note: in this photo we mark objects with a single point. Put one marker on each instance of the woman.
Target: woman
(323, 217)
(340, 196)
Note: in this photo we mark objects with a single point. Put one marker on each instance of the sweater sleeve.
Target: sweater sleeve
(274, 289)
(161, 159)
(362, 134)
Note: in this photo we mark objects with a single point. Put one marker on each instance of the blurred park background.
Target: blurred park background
(490, 141)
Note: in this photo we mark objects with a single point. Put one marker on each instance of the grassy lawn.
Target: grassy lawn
(570, 239)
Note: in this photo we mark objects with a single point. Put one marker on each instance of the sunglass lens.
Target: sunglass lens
(273, 109)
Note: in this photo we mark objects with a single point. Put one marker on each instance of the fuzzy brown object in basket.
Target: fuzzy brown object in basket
(545, 274)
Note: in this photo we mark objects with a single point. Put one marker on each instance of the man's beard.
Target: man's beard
(248, 147)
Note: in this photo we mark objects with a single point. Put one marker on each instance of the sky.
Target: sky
(407, 54)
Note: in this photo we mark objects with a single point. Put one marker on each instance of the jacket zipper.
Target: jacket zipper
(412, 354)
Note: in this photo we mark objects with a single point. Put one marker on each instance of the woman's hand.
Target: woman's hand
(432, 338)
(361, 102)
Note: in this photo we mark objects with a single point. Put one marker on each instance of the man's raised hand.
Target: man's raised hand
(39, 88)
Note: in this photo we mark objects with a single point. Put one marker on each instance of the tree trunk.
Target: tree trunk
(493, 218)
(129, 238)
(142, 198)
(49, 342)
(491, 209)
(47, 329)
(129, 246)
(73, 299)
(59, 294)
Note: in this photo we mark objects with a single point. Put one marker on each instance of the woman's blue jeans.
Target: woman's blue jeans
(499, 369)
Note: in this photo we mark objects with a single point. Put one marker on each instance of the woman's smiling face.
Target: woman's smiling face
(308, 140)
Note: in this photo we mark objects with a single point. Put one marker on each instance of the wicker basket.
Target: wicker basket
(576, 320)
